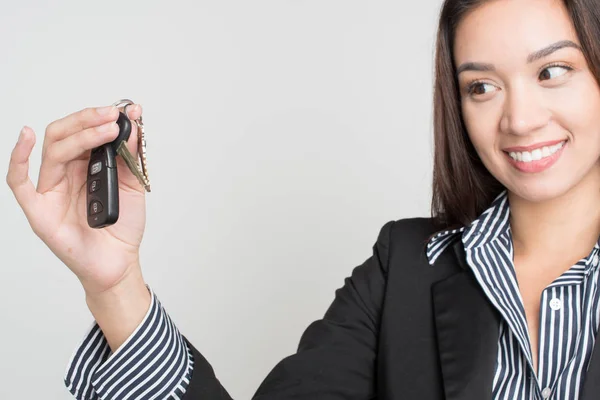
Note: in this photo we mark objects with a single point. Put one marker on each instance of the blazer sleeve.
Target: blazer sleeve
(336, 355)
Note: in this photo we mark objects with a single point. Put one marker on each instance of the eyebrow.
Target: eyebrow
(536, 55)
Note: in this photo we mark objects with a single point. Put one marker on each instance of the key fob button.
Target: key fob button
(94, 185)
(95, 207)
(102, 188)
(96, 168)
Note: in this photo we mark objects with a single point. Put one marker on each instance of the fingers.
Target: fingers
(76, 122)
(69, 138)
(76, 145)
(84, 119)
(17, 177)
(60, 153)
(134, 111)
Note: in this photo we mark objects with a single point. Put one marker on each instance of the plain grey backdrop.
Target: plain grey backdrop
(282, 135)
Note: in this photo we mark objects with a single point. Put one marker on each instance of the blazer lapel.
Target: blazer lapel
(467, 330)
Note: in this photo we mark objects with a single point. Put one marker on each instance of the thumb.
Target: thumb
(17, 177)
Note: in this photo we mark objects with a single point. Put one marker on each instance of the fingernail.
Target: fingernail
(105, 110)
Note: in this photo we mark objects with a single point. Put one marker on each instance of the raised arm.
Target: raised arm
(133, 350)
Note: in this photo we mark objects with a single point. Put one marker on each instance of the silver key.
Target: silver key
(140, 172)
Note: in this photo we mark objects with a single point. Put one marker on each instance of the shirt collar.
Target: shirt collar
(592, 259)
(492, 223)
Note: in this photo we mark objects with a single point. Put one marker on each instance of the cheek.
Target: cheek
(481, 123)
(576, 107)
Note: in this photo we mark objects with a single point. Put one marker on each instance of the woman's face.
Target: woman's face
(522, 100)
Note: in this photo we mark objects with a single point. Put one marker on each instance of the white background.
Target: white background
(282, 136)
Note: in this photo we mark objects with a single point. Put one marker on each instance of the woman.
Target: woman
(494, 297)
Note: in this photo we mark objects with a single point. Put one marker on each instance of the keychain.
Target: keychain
(102, 178)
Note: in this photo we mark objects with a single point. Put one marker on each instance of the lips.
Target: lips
(533, 146)
(535, 165)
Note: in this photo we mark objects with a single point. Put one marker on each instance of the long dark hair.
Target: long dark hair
(462, 187)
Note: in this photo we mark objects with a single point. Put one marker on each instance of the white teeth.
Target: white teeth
(545, 151)
(537, 154)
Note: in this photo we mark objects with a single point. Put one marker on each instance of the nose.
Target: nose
(524, 112)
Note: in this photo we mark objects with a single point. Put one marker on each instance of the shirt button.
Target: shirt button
(555, 304)
(595, 259)
(546, 393)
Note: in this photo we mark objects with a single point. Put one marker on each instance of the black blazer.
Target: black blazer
(398, 329)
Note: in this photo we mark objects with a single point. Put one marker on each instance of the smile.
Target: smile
(537, 154)
(536, 160)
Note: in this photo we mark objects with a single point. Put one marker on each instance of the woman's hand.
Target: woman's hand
(56, 209)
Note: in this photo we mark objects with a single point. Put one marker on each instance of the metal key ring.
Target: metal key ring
(123, 103)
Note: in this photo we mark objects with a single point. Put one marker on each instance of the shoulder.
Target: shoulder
(407, 237)
(412, 230)
(402, 247)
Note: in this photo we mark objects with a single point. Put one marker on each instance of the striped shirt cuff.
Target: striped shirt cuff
(153, 363)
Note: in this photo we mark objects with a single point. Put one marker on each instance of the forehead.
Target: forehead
(508, 30)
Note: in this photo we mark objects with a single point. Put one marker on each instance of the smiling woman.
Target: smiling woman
(524, 100)
(493, 297)
(520, 66)
(528, 137)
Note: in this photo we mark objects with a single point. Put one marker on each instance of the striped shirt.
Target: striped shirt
(569, 311)
(153, 363)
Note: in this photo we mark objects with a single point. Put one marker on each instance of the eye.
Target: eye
(477, 88)
(555, 67)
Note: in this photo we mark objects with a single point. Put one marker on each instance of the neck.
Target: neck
(566, 227)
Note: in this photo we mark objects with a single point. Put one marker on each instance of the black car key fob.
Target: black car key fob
(102, 192)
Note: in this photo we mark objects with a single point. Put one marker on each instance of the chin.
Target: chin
(537, 193)
(541, 189)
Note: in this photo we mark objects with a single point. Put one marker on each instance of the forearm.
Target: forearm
(120, 310)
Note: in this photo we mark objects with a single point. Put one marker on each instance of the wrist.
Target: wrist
(120, 309)
(131, 279)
